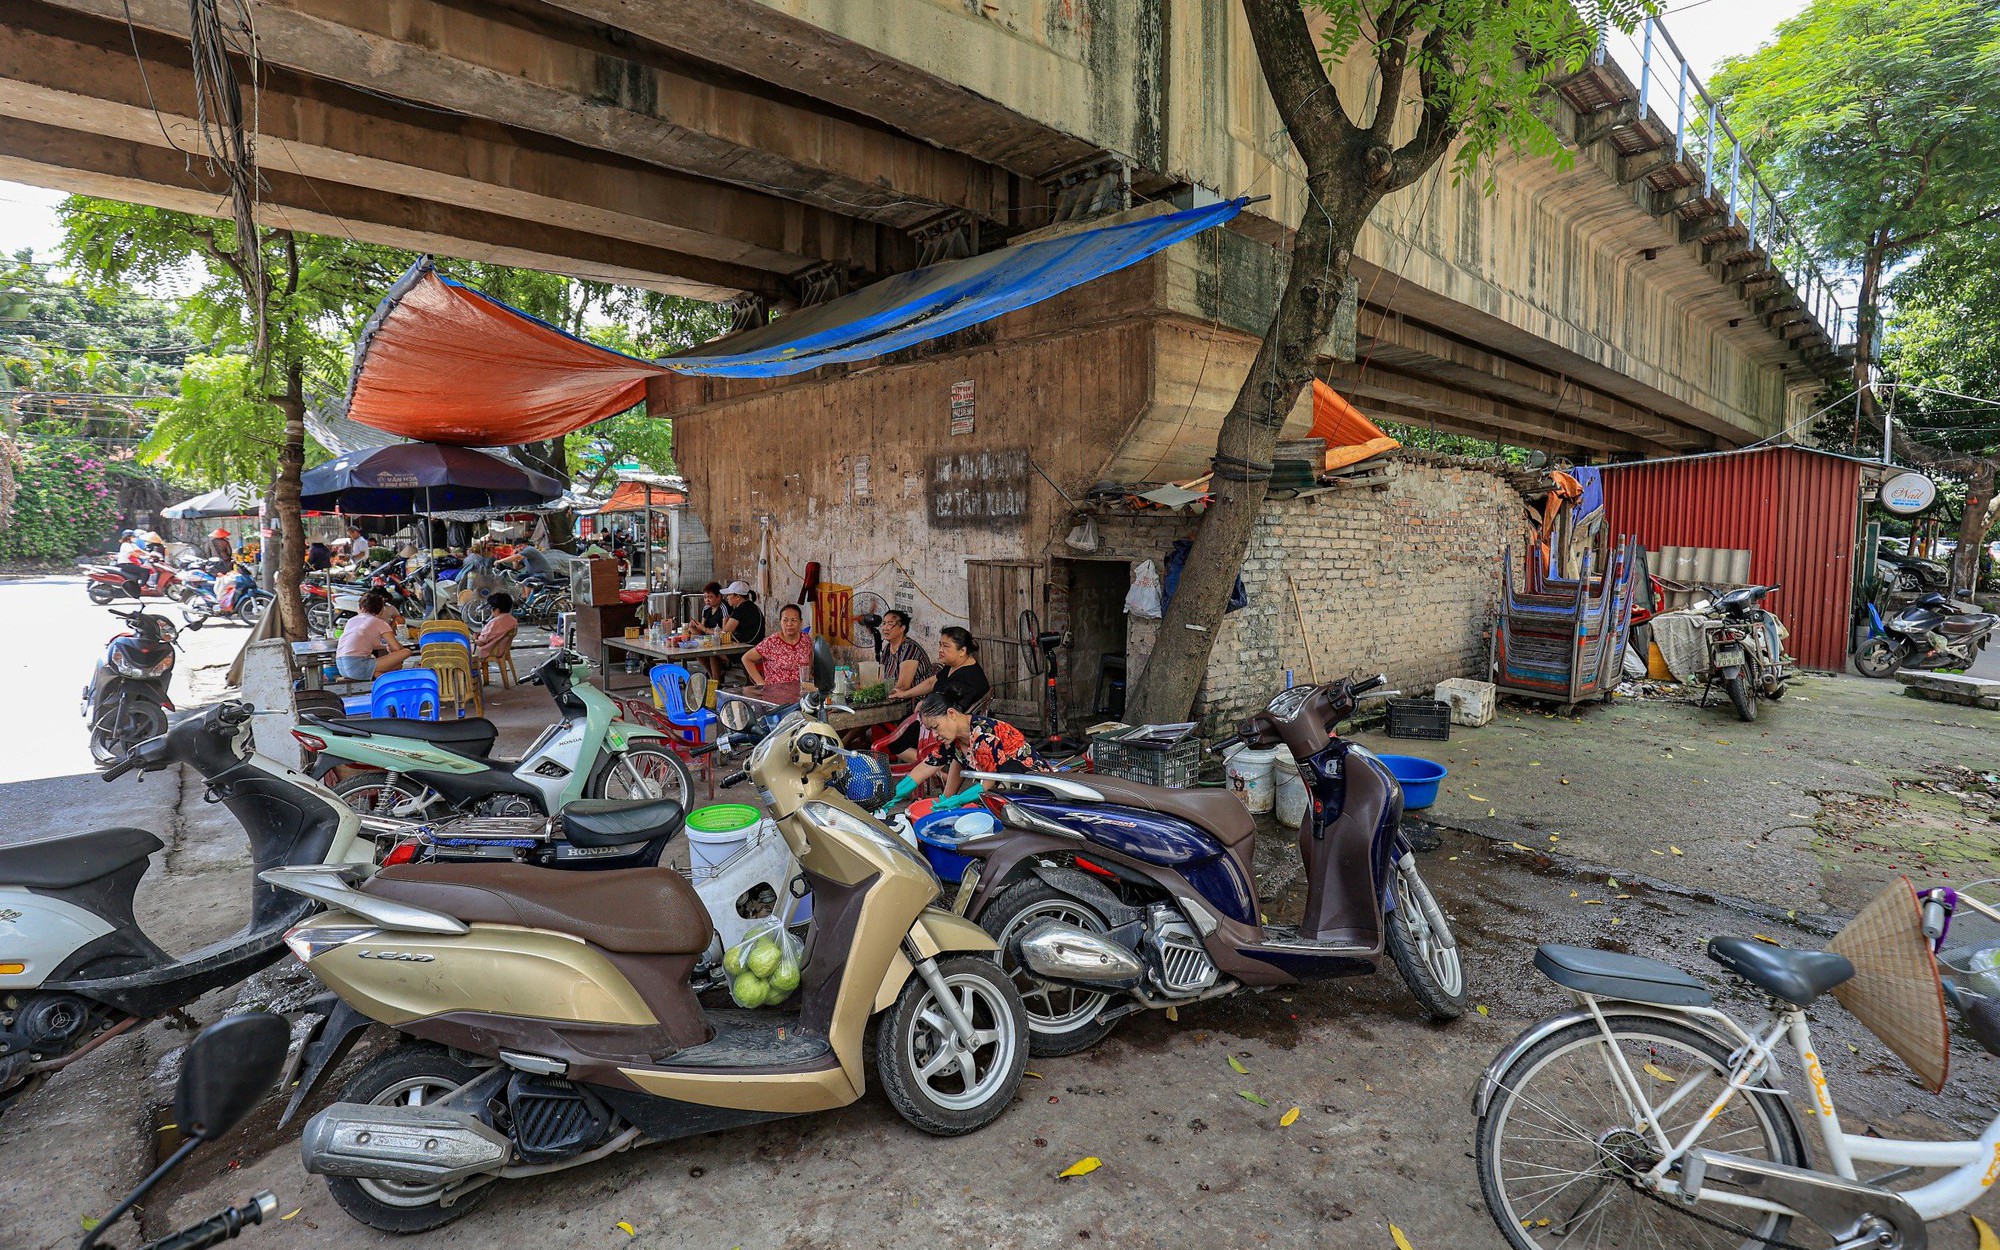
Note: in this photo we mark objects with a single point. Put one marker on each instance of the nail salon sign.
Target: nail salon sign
(1908, 493)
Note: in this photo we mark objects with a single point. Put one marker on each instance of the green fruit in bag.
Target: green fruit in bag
(732, 960)
(776, 996)
(750, 991)
(763, 957)
(785, 977)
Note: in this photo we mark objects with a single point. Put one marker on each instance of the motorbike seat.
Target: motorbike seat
(1797, 977)
(474, 736)
(621, 822)
(1611, 975)
(639, 911)
(71, 859)
(1217, 811)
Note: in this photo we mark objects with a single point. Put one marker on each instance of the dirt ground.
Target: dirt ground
(1384, 1134)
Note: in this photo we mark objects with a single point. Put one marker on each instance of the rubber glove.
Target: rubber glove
(904, 789)
(963, 798)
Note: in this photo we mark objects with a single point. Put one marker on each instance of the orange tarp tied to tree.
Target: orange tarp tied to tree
(443, 363)
(639, 496)
(1350, 437)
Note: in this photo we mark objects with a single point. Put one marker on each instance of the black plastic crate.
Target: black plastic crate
(1420, 718)
(1177, 765)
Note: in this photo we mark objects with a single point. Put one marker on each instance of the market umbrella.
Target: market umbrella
(424, 478)
(232, 500)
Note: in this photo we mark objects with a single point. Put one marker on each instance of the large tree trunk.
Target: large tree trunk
(1982, 509)
(291, 529)
(1349, 169)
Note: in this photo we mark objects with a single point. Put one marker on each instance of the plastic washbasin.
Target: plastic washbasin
(1419, 778)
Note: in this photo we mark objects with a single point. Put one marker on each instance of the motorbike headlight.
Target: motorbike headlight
(831, 817)
(123, 665)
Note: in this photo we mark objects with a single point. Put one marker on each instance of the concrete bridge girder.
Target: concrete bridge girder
(90, 164)
(66, 70)
(534, 75)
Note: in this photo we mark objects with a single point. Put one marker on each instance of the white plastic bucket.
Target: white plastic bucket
(1291, 802)
(1250, 780)
(716, 834)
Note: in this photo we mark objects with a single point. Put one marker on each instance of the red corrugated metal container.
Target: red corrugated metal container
(1794, 510)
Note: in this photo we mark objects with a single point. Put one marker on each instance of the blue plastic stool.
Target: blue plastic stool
(670, 682)
(410, 694)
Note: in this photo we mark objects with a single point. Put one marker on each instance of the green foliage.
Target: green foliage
(1427, 439)
(218, 428)
(57, 337)
(1482, 66)
(1878, 119)
(64, 503)
(1945, 337)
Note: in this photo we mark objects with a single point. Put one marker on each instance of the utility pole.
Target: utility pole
(1888, 424)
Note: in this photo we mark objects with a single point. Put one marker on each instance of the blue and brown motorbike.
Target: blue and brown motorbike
(1108, 897)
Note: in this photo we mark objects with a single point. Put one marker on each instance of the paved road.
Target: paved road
(50, 639)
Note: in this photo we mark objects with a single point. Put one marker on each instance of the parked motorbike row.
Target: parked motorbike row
(548, 1007)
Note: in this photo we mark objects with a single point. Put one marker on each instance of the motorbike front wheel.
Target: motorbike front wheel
(1877, 658)
(1741, 696)
(1421, 944)
(645, 772)
(411, 1075)
(933, 1079)
(197, 608)
(123, 726)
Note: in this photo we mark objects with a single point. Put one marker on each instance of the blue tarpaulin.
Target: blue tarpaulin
(445, 363)
(914, 307)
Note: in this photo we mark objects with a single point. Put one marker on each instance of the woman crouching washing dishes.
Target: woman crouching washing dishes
(980, 743)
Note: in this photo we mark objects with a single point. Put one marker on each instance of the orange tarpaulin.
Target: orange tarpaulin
(464, 368)
(632, 497)
(1350, 437)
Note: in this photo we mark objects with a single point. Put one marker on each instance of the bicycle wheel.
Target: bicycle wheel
(1560, 1153)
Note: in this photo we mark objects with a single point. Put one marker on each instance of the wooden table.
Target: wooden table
(669, 652)
(782, 693)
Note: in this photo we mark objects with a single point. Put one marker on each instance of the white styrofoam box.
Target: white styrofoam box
(1472, 702)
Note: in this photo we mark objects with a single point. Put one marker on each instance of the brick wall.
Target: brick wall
(1401, 579)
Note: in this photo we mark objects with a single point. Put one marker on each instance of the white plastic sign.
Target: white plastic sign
(1908, 493)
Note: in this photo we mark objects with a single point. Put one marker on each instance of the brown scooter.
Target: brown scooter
(564, 1001)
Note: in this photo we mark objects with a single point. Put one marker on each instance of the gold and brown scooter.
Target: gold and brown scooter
(548, 1019)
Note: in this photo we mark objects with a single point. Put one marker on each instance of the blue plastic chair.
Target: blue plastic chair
(410, 694)
(670, 683)
(445, 631)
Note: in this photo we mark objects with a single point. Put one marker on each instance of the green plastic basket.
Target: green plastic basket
(724, 818)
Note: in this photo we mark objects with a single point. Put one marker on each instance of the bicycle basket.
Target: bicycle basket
(1895, 990)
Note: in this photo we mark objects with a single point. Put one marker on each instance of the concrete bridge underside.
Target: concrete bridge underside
(783, 151)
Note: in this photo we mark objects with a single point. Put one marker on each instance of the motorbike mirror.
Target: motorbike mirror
(228, 1069)
(822, 665)
(734, 714)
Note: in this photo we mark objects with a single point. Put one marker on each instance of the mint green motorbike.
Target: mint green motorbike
(430, 770)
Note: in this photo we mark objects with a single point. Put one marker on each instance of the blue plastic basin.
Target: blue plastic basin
(1419, 777)
(939, 836)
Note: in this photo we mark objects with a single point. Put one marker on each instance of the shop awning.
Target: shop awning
(442, 362)
(639, 496)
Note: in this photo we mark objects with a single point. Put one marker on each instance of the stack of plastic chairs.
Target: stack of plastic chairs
(443, 631)
(670, 692)
(1563, 640)
(453, 665)
(408, 694)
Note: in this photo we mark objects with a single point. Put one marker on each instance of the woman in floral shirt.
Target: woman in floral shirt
(785, 656)
(979, 743)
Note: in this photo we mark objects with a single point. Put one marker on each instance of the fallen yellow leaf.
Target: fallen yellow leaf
(1616, 920)
(626, 1228)
(1396, 1235)
(1987, 1241)
(1470, 795)
(1036, 1075)
(1082, 1167)
(1675, 849)
(1572, 893)
(1481, 1009)
(1767, 941)
(1593, 902)
(289, 1214)
(1173, 1013)
(1237, 1064)
(1651, 851)
(1492, 811)
(1289, 1118)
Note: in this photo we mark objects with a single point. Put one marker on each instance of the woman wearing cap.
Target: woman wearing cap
(745, 622)
(219, 546)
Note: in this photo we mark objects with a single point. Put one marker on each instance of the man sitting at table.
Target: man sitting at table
(709, 617)
(745, 621)
(785, 656)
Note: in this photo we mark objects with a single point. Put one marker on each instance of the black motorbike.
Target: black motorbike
(126, 701)
(1932, 633)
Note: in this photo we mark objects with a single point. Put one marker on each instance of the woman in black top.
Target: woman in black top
(958, 680)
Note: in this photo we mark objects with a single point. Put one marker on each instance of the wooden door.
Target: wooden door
(997, 592)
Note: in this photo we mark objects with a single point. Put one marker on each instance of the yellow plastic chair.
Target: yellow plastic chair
(453, 666)
(444, 630)
(500, 663)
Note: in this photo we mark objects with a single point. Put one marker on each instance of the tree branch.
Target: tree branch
(1909, 241)
(1392, 60)
(1435, 129)
(1308, 103)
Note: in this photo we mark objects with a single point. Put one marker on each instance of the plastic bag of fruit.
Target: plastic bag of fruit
(763, 969)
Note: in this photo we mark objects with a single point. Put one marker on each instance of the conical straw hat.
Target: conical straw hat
(1895, 990)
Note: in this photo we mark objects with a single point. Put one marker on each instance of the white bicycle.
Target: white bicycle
(1649, 1118)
